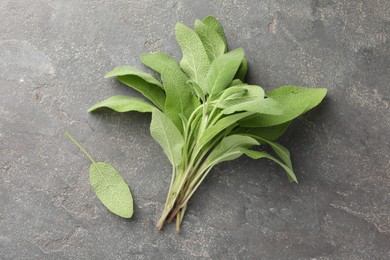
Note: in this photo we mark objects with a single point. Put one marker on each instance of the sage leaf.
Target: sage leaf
(195, 61)
(131, 71)
(108, 185)
(111, 189)
(159, 61)
(212, 41)
(230, 148)
(242, 70)
(263, 106)
(236, 82)
(294, 100)
(222, 124)
(251, 100)
(280, 150)
(213, 23)
(262, 154)
(164, 131)
(270, 133)
(179, 96)
(150, 91)
(222, 71)
(197, 90)
(124, 104)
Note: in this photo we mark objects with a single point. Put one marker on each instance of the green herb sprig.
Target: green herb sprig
(203, 112)
(109, 186)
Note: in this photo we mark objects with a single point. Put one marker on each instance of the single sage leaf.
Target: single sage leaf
(159, 61)
(127, 70)
(236, 82)
(280, 150)
(222, 124)
(124, 104)
(180, 98)
(262, 154)
(222, 71)
(270, 133)
(111, 189)
(237, 95)
(195, 61)
(164, 131)
(212, 41)
(262, 106)
(242, 70)
(197, 90)
(150, 91)
(213, 23)
(108, 185)
(230, 148)
(294, 100)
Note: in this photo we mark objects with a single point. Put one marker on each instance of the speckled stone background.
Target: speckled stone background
(53, 55)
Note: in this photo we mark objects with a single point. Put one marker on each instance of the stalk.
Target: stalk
(188, 176)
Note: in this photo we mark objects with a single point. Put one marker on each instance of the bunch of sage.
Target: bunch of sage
(203, 112)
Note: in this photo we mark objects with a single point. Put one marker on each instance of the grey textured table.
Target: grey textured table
(53, 55)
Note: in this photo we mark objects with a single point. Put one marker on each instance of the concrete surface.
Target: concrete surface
(53, 55)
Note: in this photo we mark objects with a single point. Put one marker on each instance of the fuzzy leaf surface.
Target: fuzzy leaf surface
(212, 41)
(213, 23)
(222, 124)
(294, 100)
(262, 154)
(230, 148)
(270, 133)
(222, 71)
(124, 104)
(164, 131)
(127, 70)
(179, 96)
(150, 91)
(242, 70)
(195, 61)
(111, 189)
(159, 61)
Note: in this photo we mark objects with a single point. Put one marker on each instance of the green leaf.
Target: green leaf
(212, 41)
(131, 71)
(262, 154)
(236, 82)
(159, 61)
(222, 71)
(294, 100)
(150, 91)
(124, 104)
(249, 93)
(252, 100)
(197, 90)
(280, 150)
(230, 148)
(213, 23)
(195, 61)
(242, 70)
(222, 124)
(179, 96)
(232, 96)
(270, 133)
(263, 106)
(111, 189)
(108, 185)
(164, 131)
